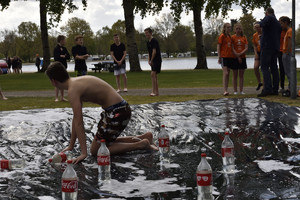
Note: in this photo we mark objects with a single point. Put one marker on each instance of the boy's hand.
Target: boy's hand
(79, 158)
(68, 149)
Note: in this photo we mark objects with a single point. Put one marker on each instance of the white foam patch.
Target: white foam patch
(126, 165)
(292, 140)
(272, 165)
(46, 198)
(139, 186)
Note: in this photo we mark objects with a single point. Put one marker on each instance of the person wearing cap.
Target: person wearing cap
(80, 55)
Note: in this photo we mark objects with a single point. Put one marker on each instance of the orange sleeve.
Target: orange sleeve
(220, 40)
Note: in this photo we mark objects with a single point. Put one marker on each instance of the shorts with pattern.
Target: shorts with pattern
(114, 120)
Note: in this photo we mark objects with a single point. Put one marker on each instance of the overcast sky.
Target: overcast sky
(105, 12)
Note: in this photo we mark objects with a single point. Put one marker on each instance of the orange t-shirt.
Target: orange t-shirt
(283, 32)
(239, 44)
(256, 41)
(285, 41)
(225, 46)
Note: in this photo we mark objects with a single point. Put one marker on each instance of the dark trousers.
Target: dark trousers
(268, 62)
(281, 70)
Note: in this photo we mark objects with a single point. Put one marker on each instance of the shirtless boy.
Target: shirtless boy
(114, 118)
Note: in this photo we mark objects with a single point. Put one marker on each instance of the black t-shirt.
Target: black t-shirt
(153, 44)
(118, 51)
(79, 50)
(61, 50)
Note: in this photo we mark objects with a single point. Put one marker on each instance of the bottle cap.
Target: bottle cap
(203, 154)
(50, 160)
(226, 133)
(70, 161)
(163, 126)
(102, 140)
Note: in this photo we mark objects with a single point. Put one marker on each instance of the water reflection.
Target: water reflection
(265, 135)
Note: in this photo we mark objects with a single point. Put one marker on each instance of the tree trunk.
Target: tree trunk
(201, 56)
(132, 50)
(44, 34)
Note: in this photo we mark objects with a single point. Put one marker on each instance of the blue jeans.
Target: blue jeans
(268, 61)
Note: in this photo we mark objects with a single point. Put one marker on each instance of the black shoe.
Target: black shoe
(286, 93)
(264, 94)
(258, 87)
(274, 93)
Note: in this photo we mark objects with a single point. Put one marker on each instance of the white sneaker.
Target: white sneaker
(118, 91)
(242, 92)
(235, 93)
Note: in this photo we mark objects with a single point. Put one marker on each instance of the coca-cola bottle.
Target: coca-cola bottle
(12, 164)
(204, 179)
(61, 157)
(103, 160)
(69, 183)
(163, 142)
(228, 154)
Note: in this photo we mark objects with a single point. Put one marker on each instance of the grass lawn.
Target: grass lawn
(136, 80)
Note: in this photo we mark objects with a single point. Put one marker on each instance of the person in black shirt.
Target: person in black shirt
(61, 54)
(8, 61)
(118, 53)
(37, 62)
(80, 55)
(154, 59)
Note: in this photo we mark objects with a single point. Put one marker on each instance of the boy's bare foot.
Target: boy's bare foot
(146, 145)
(4, 98)
(63, 99)
(56, 100)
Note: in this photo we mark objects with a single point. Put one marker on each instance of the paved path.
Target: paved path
(139, 92)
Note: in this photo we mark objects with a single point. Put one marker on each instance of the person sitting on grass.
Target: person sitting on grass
(114, 118)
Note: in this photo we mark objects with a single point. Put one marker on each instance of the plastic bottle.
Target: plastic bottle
(103, 160)
(163, 143)
(61, 157)
(228, 154)
(204, 179)
(12, 164)
(69, 183)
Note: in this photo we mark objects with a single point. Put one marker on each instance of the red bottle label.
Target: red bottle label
(204, 179)
(103, 160)
(68, 185)
(4, 164)
(63, 156)
(163, 142)
(227, 152)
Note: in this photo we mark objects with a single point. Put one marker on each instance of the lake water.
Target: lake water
(167, 64)
(265, 135)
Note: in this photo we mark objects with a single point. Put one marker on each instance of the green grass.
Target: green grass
(136, 80)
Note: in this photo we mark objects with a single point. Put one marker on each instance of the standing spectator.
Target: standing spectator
(118, 53)
(80, 55)
(225, 55)
(37, 62)
(281, 67)
(256, 47)
(287, 51)
(19, 65)
(8, 61)
(61, 54)
(154, 60)
(15, 64)
(239, 48)
(270, 45)
(1, 94)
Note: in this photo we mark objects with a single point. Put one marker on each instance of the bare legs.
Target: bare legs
(2, 95)
(257, 73)
(226, 72)
(127, 144)
(239, 72)
(154, 84)
(61, 93)
(118, 82)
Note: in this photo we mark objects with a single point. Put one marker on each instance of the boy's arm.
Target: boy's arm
(78, 126)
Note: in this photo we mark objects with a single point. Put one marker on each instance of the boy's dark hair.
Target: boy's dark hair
(149, 30)
(116, 34)
(285, 19)
(57, 71)
(270, 11)
(60, 38)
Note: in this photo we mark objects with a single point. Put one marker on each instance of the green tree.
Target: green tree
(76, 26)
(247, 21)
(183, 37)
(211, 8)
(8, 44)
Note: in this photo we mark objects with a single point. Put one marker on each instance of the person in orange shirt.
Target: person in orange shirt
(256, 47)
(281, 68)
(239, 48)
(225, 55)
(286, 51)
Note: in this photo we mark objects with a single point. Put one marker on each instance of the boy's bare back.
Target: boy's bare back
(92, 89)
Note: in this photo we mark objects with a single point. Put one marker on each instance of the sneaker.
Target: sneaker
(264, 94)
(242, 92)
(125, 90)
(118, 91)
(235, 93)
(259, 86)
(286, 93)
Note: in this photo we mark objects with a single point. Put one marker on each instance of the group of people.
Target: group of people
(271, 41)
(15, 64)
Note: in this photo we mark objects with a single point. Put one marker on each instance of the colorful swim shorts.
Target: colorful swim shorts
(114, 120)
